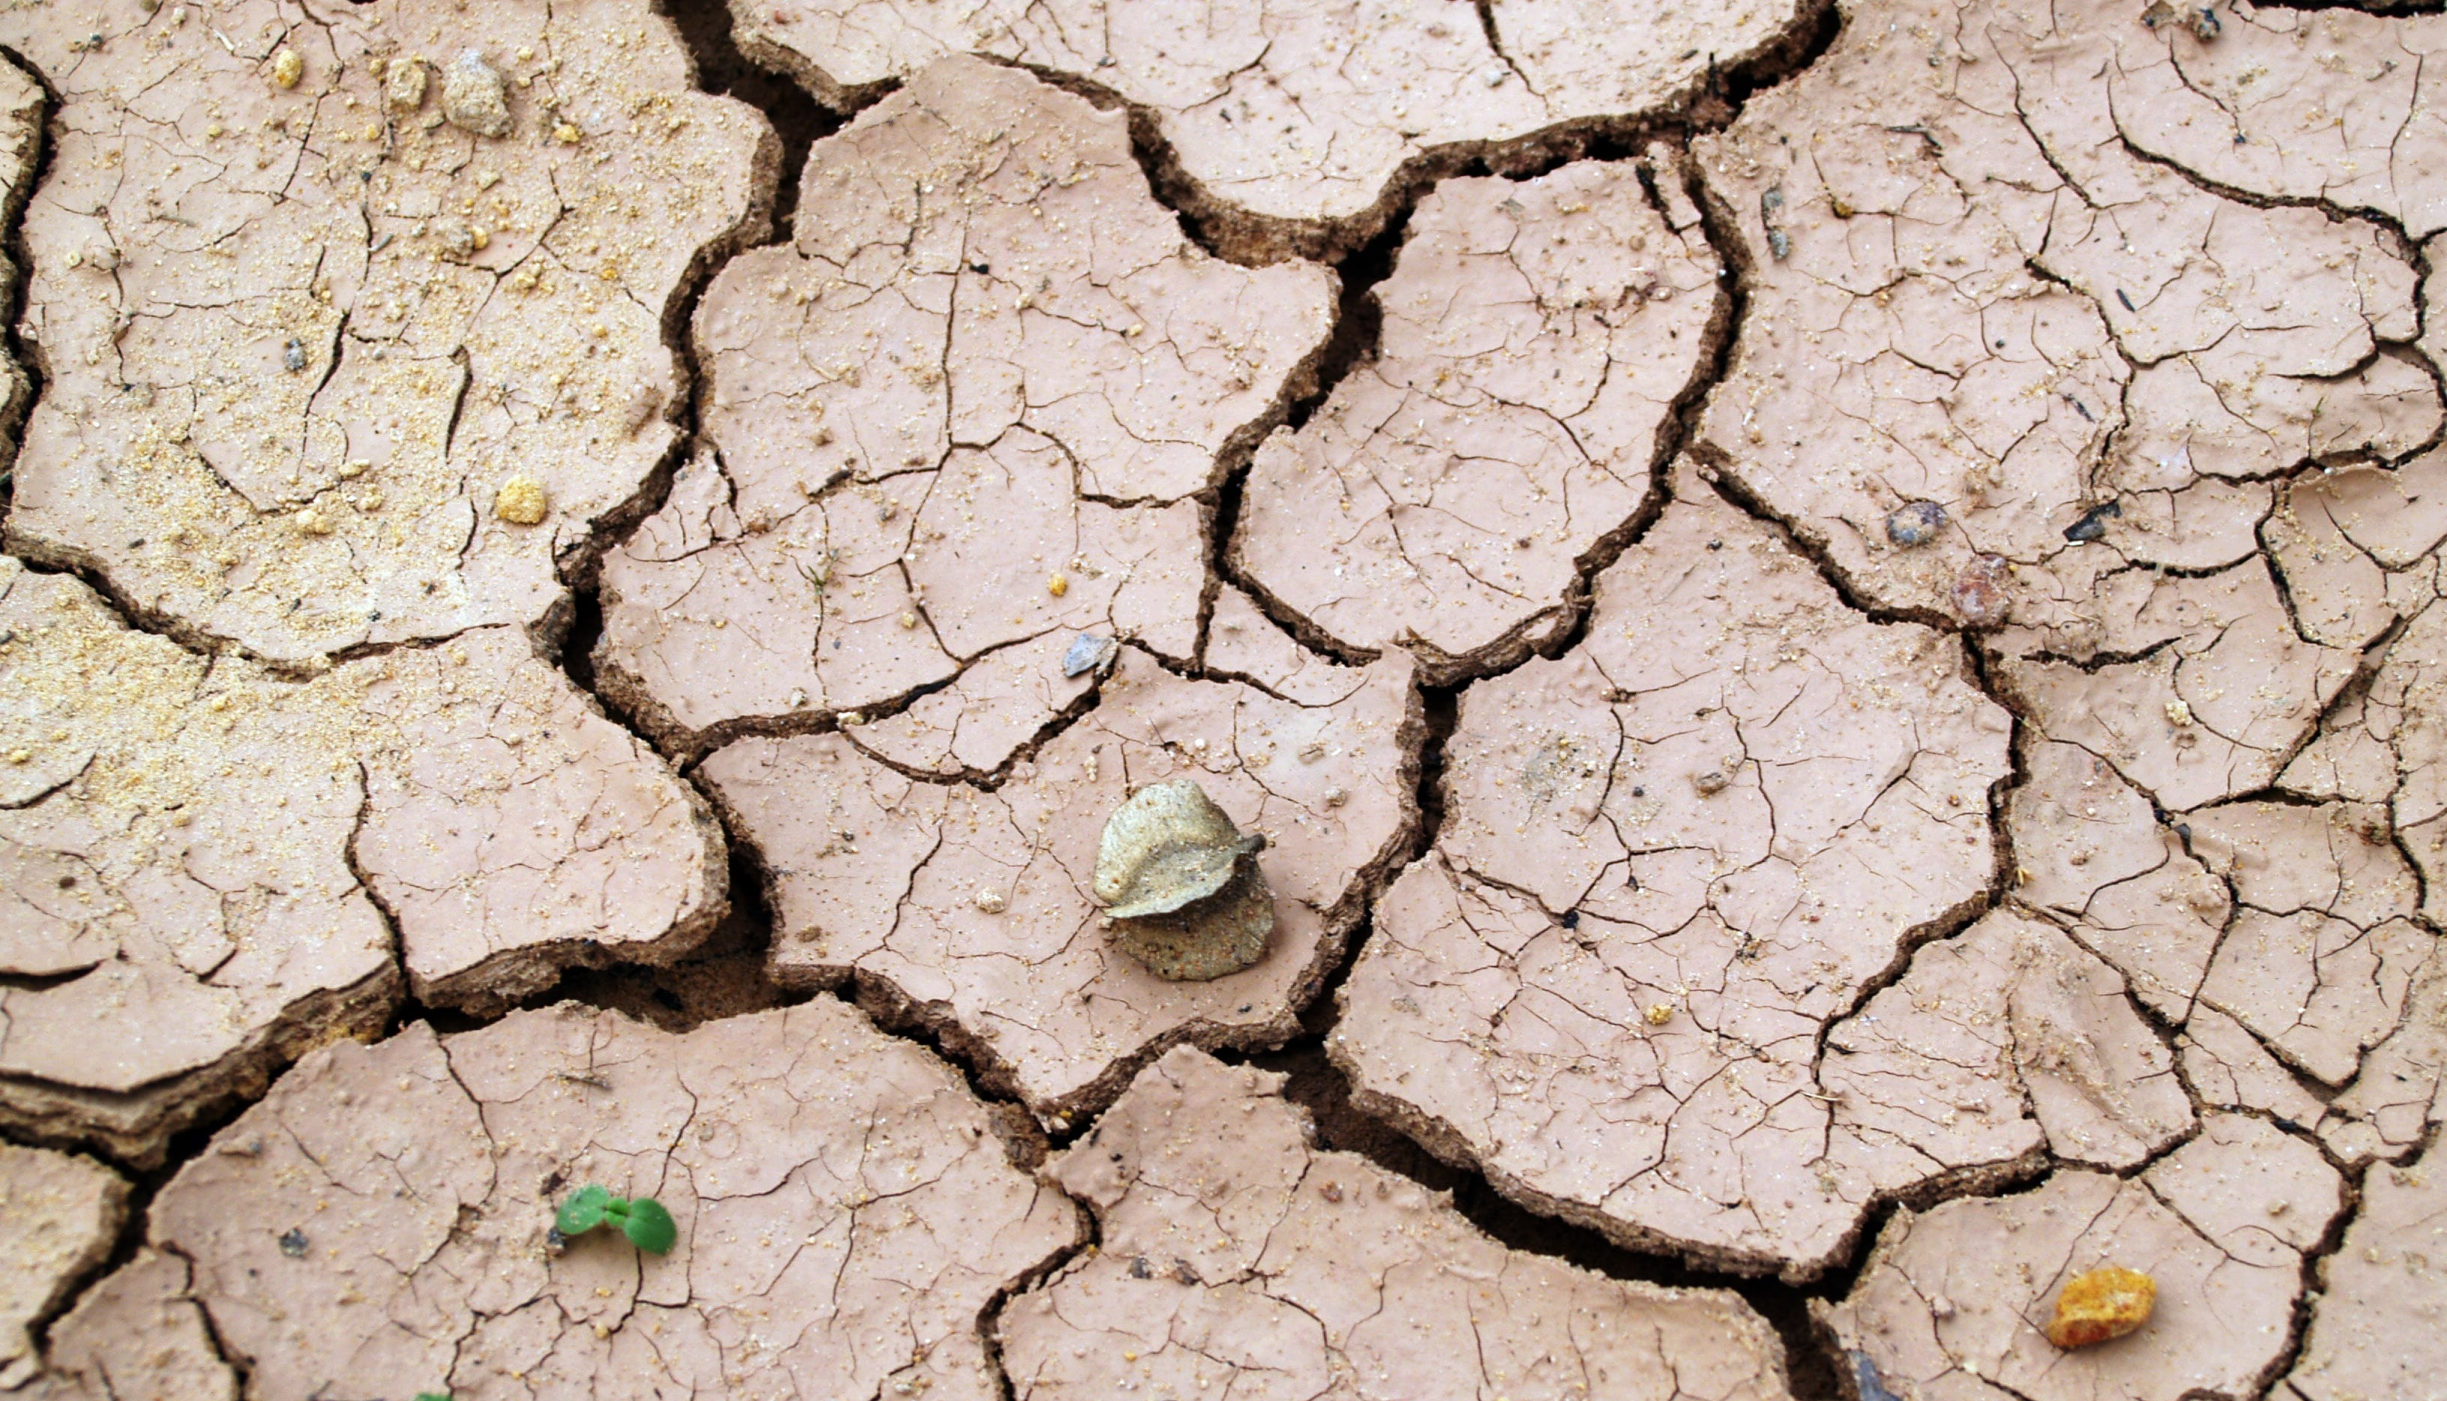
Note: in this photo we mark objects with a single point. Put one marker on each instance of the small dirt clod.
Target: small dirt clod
(473, 95)
(520, 501)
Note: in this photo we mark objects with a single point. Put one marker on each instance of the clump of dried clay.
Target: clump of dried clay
(474, 97)
(1181, 886)
(2101, 1304)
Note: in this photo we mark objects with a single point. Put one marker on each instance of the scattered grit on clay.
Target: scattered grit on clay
(378, 1223)
(294, 337)
(205, 862)
(1861, 661)
(970, 907)
(1231, 1252)
(1289, 124)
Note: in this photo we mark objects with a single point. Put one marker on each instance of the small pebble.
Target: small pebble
(1660, 1013)
(1915, 523)
(1087, 653)
(293, 1243)
(293, 355)
(1871, 1385)
(1979, 592)
(990, 901)
(1710, 781)
(2093, 523)
(287, 67)
(1058, 585)
(474, 97)
(520, 501)
(2179, 713)
(2101, 1304)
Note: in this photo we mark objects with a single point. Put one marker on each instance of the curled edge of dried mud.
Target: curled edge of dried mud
(502, 981)
(1252, 239)
(135, 1129)
(1452, 1148)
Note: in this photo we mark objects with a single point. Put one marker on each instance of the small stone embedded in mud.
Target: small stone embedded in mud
(2102, 1304)
(1865, 1378)
(287, 68)
(293, 355)
(520, 501)
(1979, 592)
(1087, 653)
(1915, 523)
(474, 97)
(293, 1243)
(1710, 781)
(2093, 523)
(1181, 886)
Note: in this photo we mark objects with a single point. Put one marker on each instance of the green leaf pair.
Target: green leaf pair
(643, 1221)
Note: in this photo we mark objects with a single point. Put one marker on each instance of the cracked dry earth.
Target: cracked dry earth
(1833, 614)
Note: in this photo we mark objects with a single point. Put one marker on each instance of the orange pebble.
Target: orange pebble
(2100, 1304)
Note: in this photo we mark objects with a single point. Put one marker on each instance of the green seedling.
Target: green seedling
(643, 1221)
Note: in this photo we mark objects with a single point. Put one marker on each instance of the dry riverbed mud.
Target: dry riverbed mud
(1825, 622)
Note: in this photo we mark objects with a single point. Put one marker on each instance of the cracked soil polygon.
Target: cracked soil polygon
(1290, 123)
(1236, 1259)
(2107, 333)
(2090, 851)
(2322, 951)
(196, 851)
(1953, 1302)
(968, 906)
(1669, 861)
(2379, 1328)
(969, 407)
(1965, 288)
(1536, 337)
(137, 1333)
(378, 1224)
(296, 339)
(63, 1214)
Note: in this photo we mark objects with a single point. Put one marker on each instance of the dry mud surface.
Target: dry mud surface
(1828, 615)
